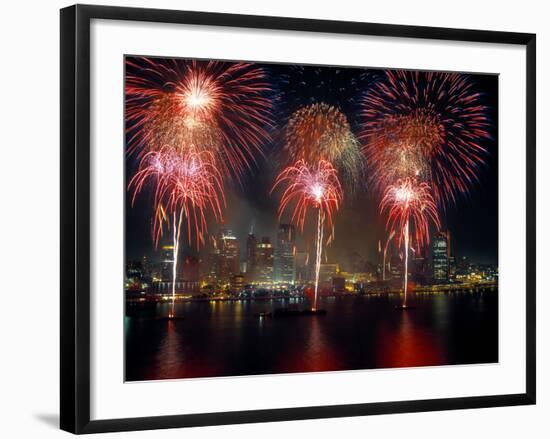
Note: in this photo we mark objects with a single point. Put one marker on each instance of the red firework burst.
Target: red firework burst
(201, 105)
(310, 186)
(186, 188)
(318, 131)
(322, 132)
(410, 207)
(428, 125)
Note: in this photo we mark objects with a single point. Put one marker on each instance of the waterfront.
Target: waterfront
(228, 338)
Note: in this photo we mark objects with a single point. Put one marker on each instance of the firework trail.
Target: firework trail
(426, 125)
(311, 187)
(322, 132)
(212, 106)
(187, 187)
(318, 253)
(410, 207)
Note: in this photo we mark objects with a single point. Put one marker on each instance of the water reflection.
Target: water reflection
(407, 345)
(216, 338)
(170, 356)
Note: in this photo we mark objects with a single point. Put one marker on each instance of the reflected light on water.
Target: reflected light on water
(407, 345)
(229, 338)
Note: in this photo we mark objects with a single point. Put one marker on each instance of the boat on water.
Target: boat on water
(404, 307)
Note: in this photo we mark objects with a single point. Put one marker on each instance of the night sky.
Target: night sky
(473, 220)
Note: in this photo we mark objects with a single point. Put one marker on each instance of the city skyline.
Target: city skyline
(266, 263)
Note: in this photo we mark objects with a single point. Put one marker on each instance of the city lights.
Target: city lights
(195, 128)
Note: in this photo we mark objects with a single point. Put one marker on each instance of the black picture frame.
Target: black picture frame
(75, 217)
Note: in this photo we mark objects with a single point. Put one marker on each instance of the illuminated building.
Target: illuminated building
(134, 269)
(285, 271)
(190, 273)
(186, 276)
(264, 262)
(359, 277)
(327, 272)
(243, 265)
(419, 268)
(229, 255)
(146, 265)
(210, 266)
(452, 268)
(251, 243)
(441, 252)
(395, 268)
(462, 265)
(482, 273)
(167, 262)
(237, 283)
(134, 276)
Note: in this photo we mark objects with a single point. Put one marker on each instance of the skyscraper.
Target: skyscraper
(441, 251)
(395, 268)
(452, 267)
(210, 264)
(251, 243)
(327, 272)
(419, 268)
(229, 255)
(167, 262)
(237, 283)
(264, 262)
(190, 269)
(462, 266)
(285, 270)
(146, 266)
(134, 270)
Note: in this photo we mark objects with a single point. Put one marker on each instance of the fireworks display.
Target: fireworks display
(196, 127)
(423, 136)
(410, 201)
(187, 187)
(187, 120)
(320, 144)
(311, 187)
(308, 186)
(204, 105)
(322, 132)
(409, 206)
(428, 125)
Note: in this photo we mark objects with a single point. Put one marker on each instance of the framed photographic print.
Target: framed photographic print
(269, 218)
